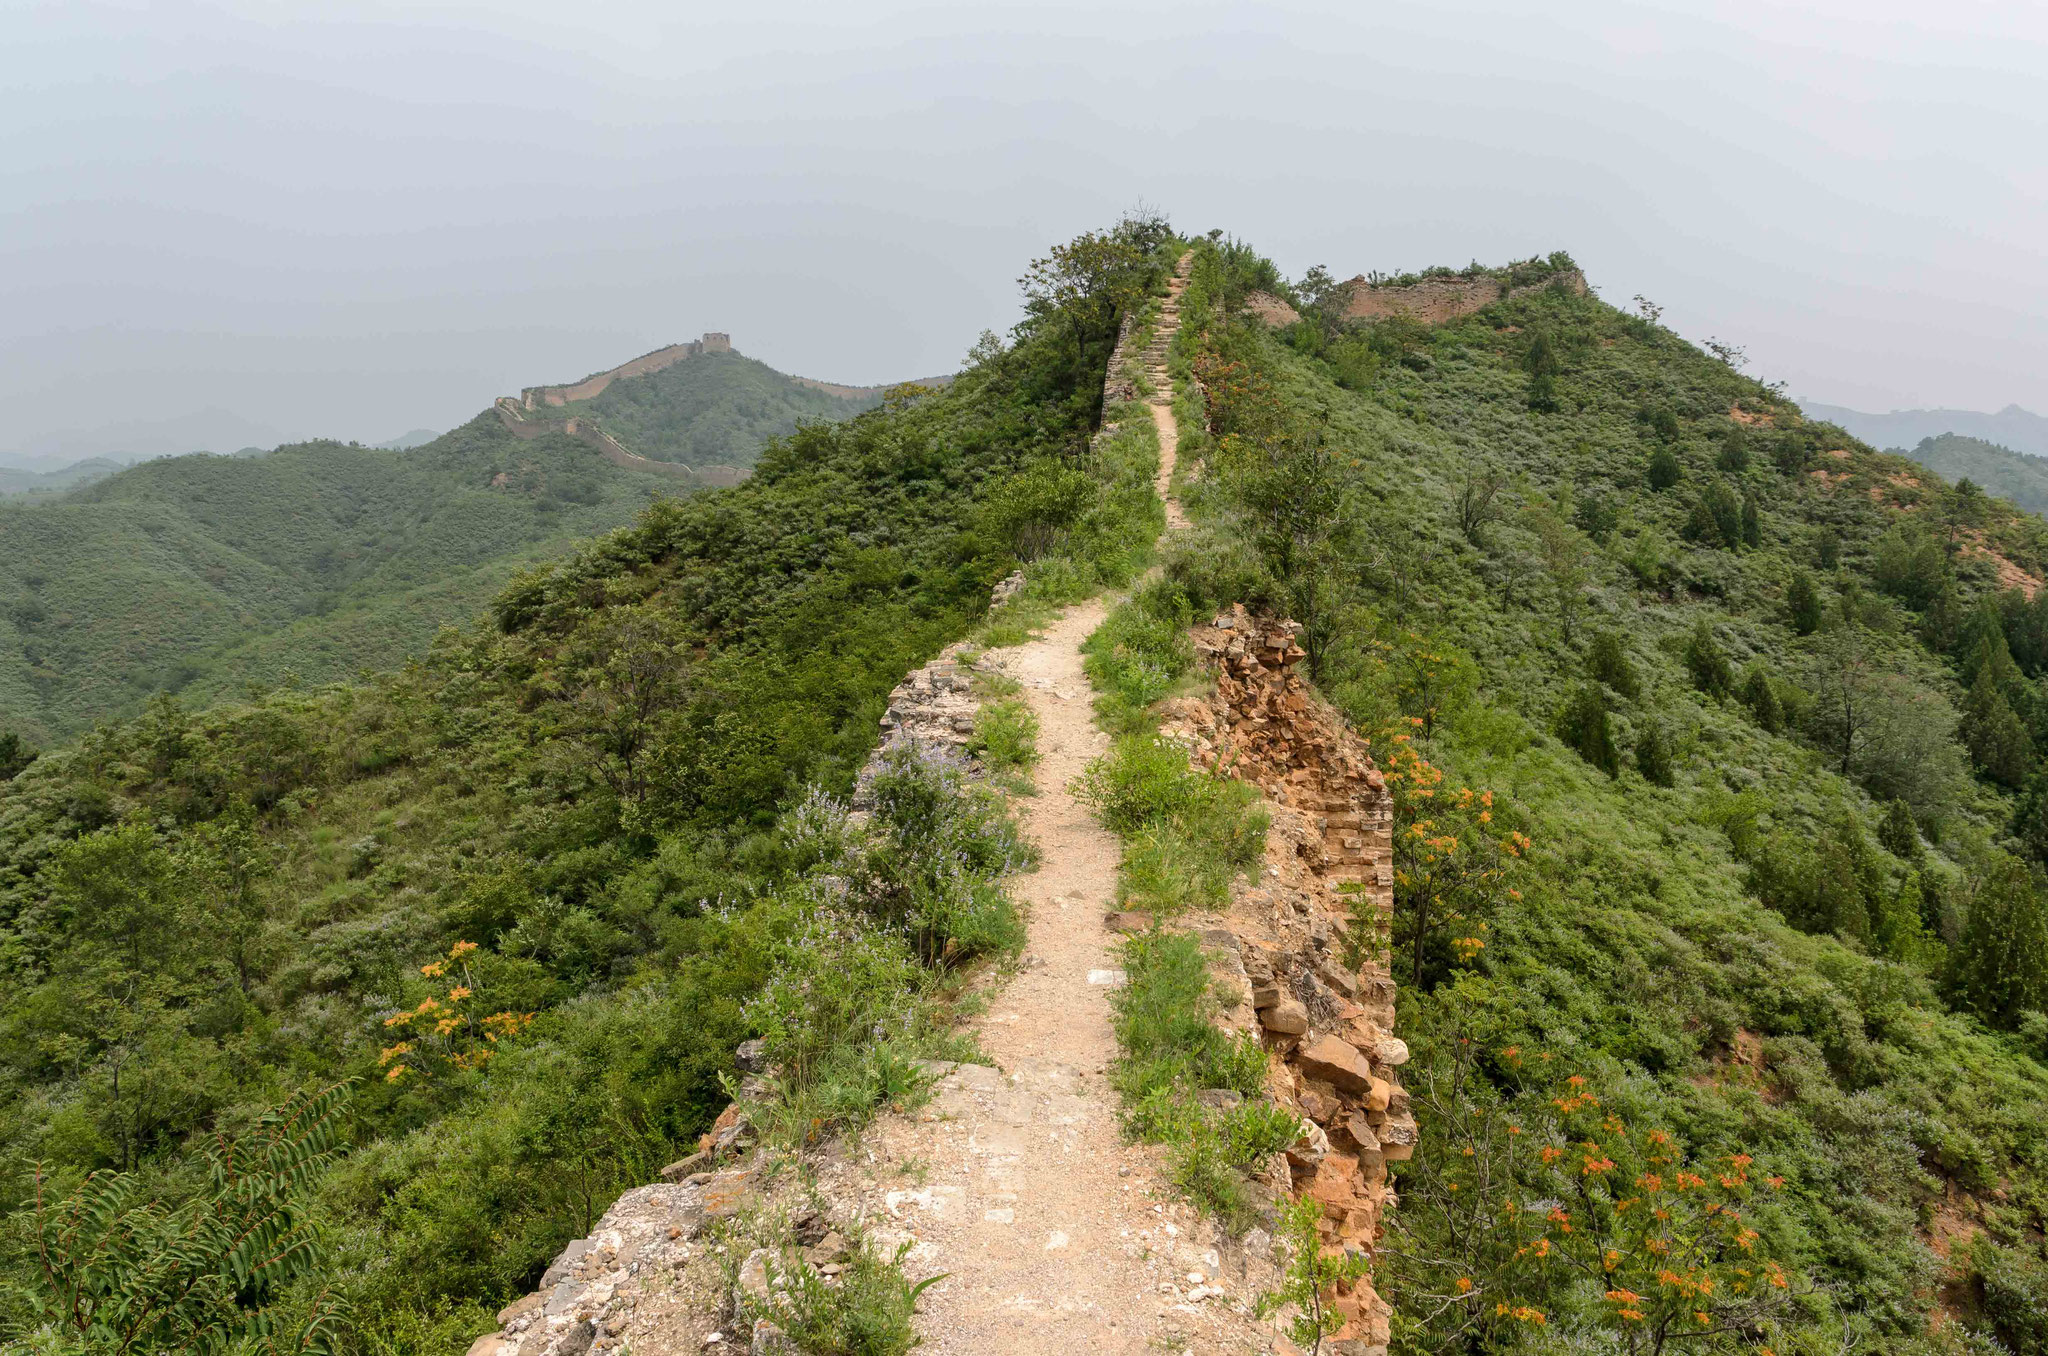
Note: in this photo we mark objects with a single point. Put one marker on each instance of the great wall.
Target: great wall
(1431, 300)
(524, 415)
(1013, 1184)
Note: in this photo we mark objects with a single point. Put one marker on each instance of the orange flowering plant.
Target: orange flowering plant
(1453, 859)
(1544, 1206)
(450, 1028)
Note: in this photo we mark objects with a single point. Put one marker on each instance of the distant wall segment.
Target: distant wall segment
(1436, 300)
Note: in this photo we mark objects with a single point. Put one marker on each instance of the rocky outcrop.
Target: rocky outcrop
(1305, 942)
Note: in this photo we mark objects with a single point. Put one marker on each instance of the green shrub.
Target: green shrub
(1006, 735)
(865, 1310)
(1169, 1049)
(1139, 655)
(1653, 757)
(1607, 662)
(126, 1271)
(1663, 470)
(1583, 725)
(1706, 661)
(1187, 835)
(2012, 1289)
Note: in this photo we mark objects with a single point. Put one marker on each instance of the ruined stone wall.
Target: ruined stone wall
(534, 396)
(1294, 934)
(1436, 300)
(1271, 309)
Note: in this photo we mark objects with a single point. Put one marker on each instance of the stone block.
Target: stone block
(1288, 1017)
(1338, 1063)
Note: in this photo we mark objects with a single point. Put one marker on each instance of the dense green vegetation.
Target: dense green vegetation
(530, 891)
(208, 575)
(715, 408)
(1742, 708)
(1998, 471)
(202, 574)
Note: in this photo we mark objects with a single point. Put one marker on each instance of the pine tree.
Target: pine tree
(1848, 882)
(1709, 666)
(1542, 365)
(1752, 523)
(1761, 697)
(1941, 621)
(15, 755)
(2000, 965)
(1898, 834)
(1583, 724)
(1734, 455)
(2030, 819)
(1653, 759)
(1804, 603)
(1607, 662)
(1998, 742)
(1727, 511)
(1700, 526)
(1664, 470)
(1895, 931)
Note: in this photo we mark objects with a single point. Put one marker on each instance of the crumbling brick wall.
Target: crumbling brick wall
(1323, 900)
(1435, 300)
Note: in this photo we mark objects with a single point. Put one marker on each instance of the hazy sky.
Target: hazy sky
(354, 219)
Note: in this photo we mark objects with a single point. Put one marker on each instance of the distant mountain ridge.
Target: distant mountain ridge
(700, 408)
(208, 430)
(2013, 427)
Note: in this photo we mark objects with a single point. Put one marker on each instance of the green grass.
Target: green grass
(1006, 741)
(1170, 1048)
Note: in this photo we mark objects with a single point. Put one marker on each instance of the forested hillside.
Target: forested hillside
(520, 900)
(142, 583)
(206, 575)
(711, 409)
(1998, 471)
(1714, 737)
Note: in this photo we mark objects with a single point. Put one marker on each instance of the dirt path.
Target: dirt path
(1161, 399)
(1056, 1235)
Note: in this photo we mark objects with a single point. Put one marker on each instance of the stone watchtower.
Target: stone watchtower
(714, 342)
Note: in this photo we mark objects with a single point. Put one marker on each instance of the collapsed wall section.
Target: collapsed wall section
(1307, 939)
(1436, 300)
